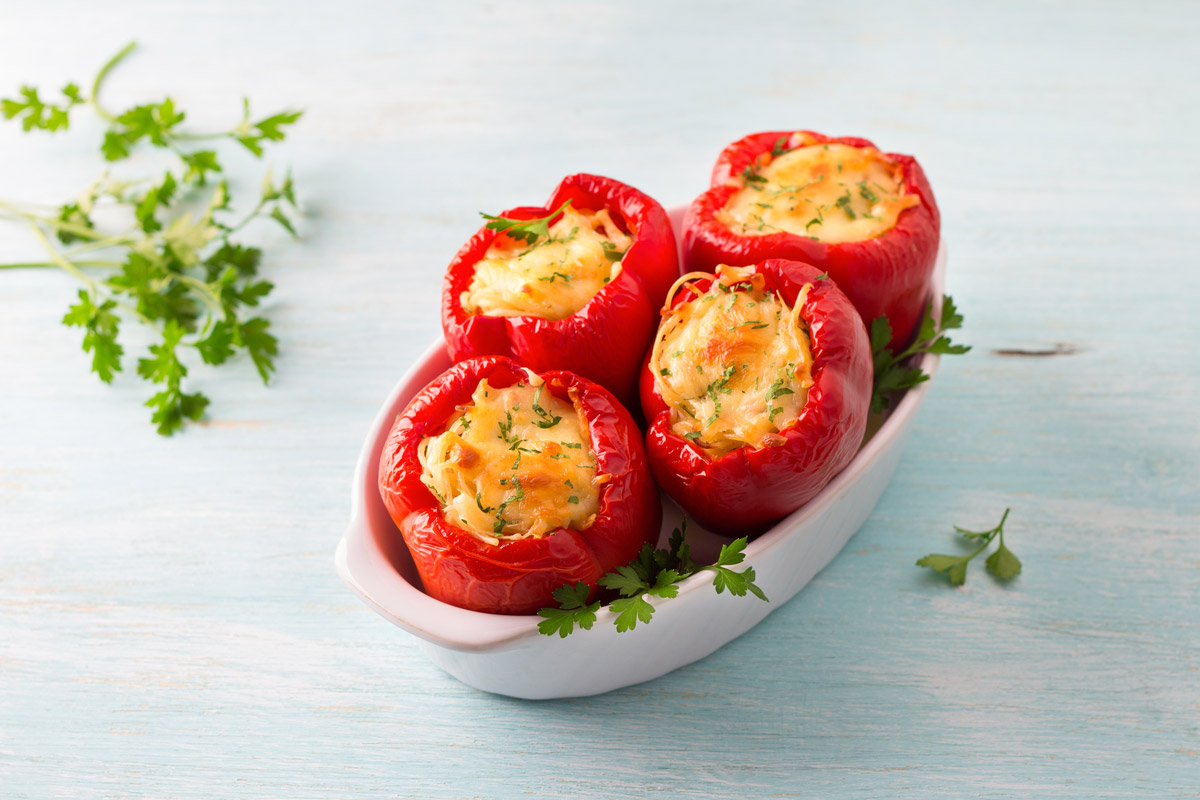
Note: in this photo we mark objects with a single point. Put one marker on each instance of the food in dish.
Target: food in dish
(576, 285)
(507, 484)
(866, 217)
(756, 392)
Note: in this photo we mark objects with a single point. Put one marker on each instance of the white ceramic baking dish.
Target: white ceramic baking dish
(507, 655)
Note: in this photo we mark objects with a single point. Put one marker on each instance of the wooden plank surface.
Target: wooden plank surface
(170, 622)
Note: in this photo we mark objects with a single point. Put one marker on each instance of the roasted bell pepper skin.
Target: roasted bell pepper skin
(605, 340)
(887, 275)
(517, 576)
(744, 491)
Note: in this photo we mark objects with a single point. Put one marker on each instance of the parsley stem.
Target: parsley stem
(55, 265)
(206, 293)
(982, 547)
(101, 244)
(94, 100)
(246, 220)
(82, 231)
(94, 286)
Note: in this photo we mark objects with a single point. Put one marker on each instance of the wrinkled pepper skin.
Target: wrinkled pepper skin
(744, 491)
(606, 339)
(887, 275)
(518, 576)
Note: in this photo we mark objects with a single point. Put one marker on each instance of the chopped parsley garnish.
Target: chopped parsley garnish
(866, 193)
(612, 252)
(482, 507)
(547, 420)
(780, 147)
(719, 386)
(692, 436)
(564, 277)
(843, 203)
(506, 431)
(777, 389)
(573, 499)
(752, 177)
(436, 493)
(516, 496)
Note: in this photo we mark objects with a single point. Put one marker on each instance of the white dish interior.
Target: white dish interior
(507, 655)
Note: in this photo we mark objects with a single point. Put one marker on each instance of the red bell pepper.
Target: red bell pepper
(517, 576)
(885, 275)
(606, 339)
(748, 488)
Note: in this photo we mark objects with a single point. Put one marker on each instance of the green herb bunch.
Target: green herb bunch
(176, 267)
(654, 573)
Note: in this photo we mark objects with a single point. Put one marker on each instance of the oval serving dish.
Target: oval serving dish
(507, 655)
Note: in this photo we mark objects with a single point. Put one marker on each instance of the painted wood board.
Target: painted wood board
(170, 622)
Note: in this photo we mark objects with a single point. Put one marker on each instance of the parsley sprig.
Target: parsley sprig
(1002, 563)
(175, 267)
(528, 231)
(654, 573)
(891, 374)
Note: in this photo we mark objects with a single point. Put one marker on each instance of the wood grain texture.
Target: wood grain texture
(170, 622)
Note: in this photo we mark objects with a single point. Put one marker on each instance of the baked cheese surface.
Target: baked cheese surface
(553, 277)
(733, 363)
(515, 463)
(828, 192)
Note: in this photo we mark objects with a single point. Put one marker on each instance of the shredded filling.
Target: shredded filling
(514, 463)
(828, 192)
(733, 362)
(555, 276)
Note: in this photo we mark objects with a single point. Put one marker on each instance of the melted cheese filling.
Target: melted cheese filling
(733, 363)
(828, 192)
(555, 276)
(515, 464)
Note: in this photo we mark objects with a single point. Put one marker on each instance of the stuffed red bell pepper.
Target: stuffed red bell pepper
(576, 285)
(867, 218)
(507, 484)
(756, 392)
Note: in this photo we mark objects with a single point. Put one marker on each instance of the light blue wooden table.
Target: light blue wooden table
(170, 622)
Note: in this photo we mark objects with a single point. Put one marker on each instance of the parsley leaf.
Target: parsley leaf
(573, 609)
(528, 231)
(100, 339)
(891, 373)
(34, 113)
(1002, 563)
(653, 573)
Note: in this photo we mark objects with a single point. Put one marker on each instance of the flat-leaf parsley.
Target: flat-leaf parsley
(654, 573)
(175, 268)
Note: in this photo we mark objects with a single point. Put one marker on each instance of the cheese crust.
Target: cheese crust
(515, 463)
(555, 276)
(830, 193)
(734, 362)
